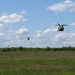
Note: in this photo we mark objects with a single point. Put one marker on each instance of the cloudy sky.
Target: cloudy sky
(20, 19)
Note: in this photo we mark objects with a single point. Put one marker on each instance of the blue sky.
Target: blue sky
(36, 19)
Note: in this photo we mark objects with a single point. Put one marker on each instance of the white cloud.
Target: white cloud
(66, 6)
(13, 18)
(13, 38)
(22, 31)
(43, 38)
(72, 24)
(8, 36)
(56, 39)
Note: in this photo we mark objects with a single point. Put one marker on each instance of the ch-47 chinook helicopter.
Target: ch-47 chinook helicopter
(28, 38)
(61, 27)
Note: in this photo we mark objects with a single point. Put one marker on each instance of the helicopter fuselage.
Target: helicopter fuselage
(61, 28)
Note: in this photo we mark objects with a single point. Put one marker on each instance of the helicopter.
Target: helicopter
(28, 38)
(61, 27)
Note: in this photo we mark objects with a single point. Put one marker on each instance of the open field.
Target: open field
(37, 63)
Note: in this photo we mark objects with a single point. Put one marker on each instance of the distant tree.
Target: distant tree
(20, 48)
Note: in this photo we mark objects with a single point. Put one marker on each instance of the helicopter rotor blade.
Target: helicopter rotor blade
(57, 24)
(65, 25)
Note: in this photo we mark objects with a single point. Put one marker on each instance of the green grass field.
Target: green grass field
(37, 63)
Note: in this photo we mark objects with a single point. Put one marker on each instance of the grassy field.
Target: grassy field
(37, 63)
